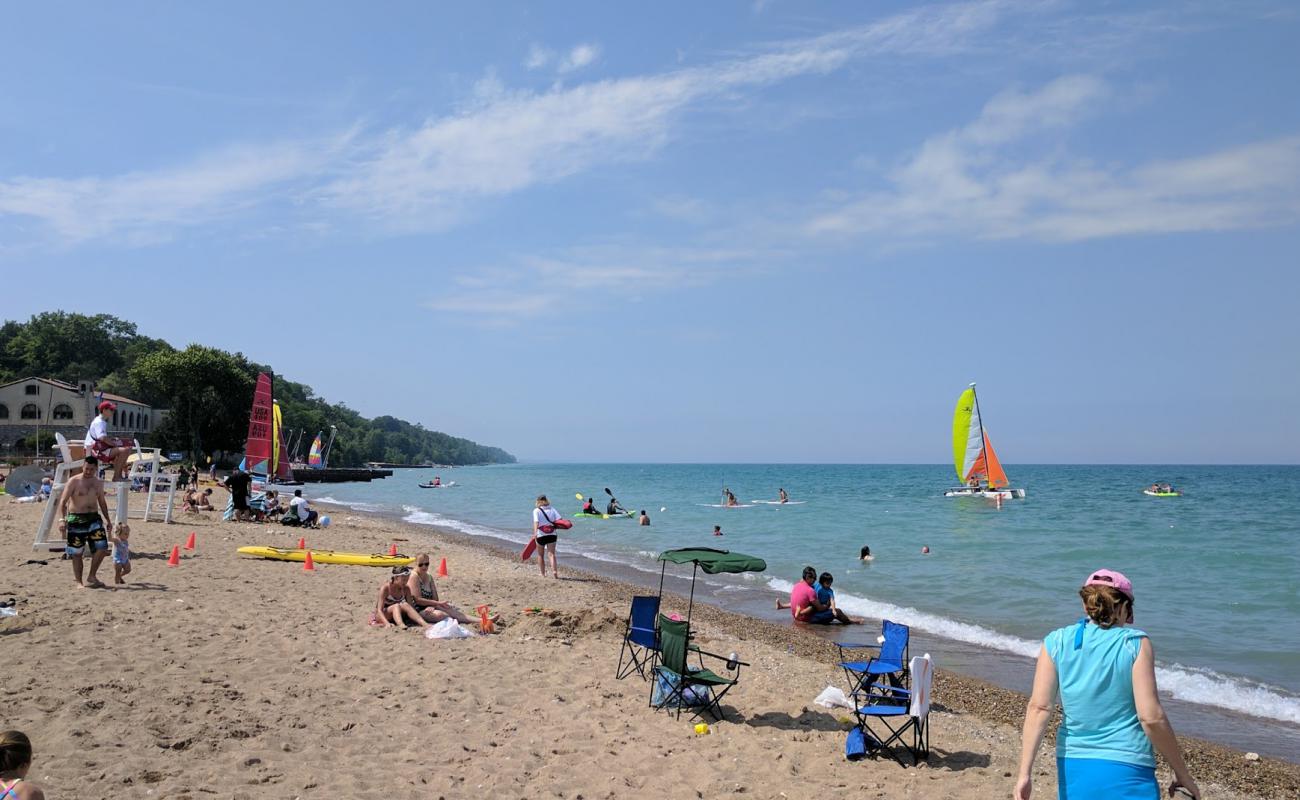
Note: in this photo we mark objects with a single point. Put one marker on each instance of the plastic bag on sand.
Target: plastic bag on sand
(448, 629)
(833, 697)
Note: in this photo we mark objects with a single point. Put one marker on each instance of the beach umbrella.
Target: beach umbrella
(24, 482)
(711, 561)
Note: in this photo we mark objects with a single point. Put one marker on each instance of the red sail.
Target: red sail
(257, 452)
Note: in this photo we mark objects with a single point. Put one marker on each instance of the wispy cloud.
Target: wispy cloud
(579, 57)
(979, 181)
(538, 57)
(140, 205)
(532, 286)
(421, 178)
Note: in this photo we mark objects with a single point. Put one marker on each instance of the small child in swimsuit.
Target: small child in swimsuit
(121, 554)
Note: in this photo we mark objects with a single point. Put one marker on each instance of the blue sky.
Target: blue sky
(761, 231)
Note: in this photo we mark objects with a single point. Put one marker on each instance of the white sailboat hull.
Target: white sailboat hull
(990, 494)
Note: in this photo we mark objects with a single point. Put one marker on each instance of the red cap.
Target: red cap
(107, 405)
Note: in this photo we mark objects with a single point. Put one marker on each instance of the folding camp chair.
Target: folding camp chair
(686, 683)
(899, 711)
(639, 638)
(890, 660)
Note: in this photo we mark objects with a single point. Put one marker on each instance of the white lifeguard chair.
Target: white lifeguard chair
(148, 464)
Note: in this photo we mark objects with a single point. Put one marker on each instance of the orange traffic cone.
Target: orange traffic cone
(308, 565)
(392, 549)
(485, 625)
(442, 568)
(174, 560)
(302, 543)
(189, 543)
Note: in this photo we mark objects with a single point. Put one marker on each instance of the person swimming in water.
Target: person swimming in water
(865, 554)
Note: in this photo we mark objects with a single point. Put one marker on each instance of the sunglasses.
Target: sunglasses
(422, 563)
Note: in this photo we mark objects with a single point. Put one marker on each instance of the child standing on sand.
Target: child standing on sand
(122, 554)
(15, 761)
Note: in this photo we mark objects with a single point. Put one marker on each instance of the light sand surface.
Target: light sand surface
(229, 677)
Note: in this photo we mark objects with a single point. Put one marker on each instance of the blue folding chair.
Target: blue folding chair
(889, 662)
(898, 712)
(640, 638)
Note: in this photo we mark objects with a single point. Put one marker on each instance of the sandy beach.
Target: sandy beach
(228, 677)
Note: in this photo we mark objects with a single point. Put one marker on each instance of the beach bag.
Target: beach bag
(448, 629)
(666, 683)
(855, 746)
(291, 518)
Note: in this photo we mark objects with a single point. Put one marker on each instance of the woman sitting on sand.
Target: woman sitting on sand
(393, 604)
(424, 595)
(1105, 675)
(15, 762)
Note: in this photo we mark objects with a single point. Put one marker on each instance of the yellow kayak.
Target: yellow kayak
(328, 556)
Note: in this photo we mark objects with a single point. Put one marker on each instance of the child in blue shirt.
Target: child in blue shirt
(826, 602)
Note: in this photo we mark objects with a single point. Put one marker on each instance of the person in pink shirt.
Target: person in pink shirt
(803, 597)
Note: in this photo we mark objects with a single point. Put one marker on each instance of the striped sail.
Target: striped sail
(314, 456)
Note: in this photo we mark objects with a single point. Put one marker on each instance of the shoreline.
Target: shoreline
(963, 694)
(1007, 671)
(264, 680)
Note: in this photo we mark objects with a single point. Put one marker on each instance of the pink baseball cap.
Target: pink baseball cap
(1113, 579)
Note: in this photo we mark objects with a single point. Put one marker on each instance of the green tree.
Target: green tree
(209, 392)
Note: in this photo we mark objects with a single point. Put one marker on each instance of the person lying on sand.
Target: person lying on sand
(424, 595)
(393, 604)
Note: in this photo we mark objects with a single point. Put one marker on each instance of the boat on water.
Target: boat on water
(976, 462)
(1162, 490)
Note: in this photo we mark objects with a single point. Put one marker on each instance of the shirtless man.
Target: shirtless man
(104, 447)
(83, 524)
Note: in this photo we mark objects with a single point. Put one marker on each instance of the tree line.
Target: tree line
(208, 393)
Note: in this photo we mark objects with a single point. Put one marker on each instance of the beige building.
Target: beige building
(48, 405)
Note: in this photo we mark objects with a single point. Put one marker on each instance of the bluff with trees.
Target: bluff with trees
(208, 392)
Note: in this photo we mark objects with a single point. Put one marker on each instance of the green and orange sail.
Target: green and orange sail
(972, 451)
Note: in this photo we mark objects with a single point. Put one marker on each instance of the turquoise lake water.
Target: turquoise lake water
(1215, 571)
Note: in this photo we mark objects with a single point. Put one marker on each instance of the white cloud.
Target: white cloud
(984, 181)
(579, 57)
(533, 286)
(538, 57)
(140, 204)
(422, 178)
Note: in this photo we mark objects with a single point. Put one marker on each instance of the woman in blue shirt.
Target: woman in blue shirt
(1106, 677)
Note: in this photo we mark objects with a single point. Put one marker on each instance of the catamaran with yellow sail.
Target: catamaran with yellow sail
(977, 465)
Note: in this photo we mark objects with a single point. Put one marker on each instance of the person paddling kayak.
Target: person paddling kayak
(589, 507)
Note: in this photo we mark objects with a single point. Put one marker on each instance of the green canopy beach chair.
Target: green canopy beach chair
(670, 657)
(696, 687)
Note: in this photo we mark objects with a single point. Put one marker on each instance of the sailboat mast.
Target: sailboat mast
(983, 441)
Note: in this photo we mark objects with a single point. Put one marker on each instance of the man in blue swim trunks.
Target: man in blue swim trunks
(80, 508)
